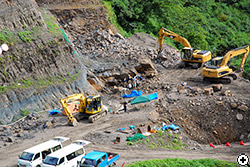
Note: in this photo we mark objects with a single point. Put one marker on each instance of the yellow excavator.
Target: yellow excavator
(218, 69)
(90, 107)
(189, 56)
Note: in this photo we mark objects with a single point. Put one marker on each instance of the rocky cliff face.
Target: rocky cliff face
(37, 46)
(38, 57)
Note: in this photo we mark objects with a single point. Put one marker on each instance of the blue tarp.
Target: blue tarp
(172, 127)
(54, 111)
(134, 93)
(153, 96)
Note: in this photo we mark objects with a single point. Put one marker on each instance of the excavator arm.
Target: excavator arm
(236, 52)
(219, 72)
(165, 32)
(71, 119)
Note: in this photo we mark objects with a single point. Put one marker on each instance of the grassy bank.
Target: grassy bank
(183, 163)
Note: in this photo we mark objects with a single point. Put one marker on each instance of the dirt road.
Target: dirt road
(128, 154)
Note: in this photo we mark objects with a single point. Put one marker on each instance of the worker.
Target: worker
(125, 106)
(129, 84)
(134, 81)
(124, 91)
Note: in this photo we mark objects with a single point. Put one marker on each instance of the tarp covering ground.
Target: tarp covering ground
(134, 93)
(144, 99)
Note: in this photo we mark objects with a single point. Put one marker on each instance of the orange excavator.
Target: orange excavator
(218, 69)
(90, 107)
(189, 55)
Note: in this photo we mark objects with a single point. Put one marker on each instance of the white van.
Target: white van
(67, 156)
(34, 156)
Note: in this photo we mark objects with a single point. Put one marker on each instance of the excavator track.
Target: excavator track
(217, 80)
(97, 116)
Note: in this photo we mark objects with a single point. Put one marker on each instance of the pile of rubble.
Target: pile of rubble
(113, 58)
(24, 128)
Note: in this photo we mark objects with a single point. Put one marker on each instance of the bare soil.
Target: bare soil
(105, 142)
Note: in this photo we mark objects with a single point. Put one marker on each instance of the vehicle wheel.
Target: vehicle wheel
(38, 166)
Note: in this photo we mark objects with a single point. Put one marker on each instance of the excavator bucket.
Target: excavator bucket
(73, 122)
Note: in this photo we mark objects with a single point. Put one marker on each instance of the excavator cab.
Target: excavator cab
(93, 104)
(217, 61)
(187, 53)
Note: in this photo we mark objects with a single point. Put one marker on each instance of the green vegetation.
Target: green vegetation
(39, 83)
(182, 162)
(10, 38)
(52, 26)
(161, 139)
(113, 18)
(7, 37)
(236, 62)
(24, 113)
(25, 36)
(215, 25)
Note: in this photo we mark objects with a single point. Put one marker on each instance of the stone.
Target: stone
(8, 132)
(119, 36)
(242, 137)
(215, 132)
(146, 67)
(10, 139)
(243, 108)
(225, 92)
(180, 89)
(208, 91)
(233, 105)
(217, 87)
(110, 32)
(219, 102)
(239, 117)
(5, 127)
(196, 90)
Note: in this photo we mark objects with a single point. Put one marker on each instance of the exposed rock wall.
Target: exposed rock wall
(38, 52)
(35, 50)
(32, 99)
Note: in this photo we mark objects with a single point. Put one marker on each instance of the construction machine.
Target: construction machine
(218, 69)
(90, 107)
(190, 56)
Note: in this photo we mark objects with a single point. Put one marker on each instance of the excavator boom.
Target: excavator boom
(236, 52)
(196, 57)
(71, 119)
(165, 32)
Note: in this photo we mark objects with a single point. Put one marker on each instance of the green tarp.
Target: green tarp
(67, 39)
(143, 99)
(140, 99)
(137, 136)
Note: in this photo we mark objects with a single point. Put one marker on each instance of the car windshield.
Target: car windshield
(51, 160)
(26, 156)
(87, 163)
